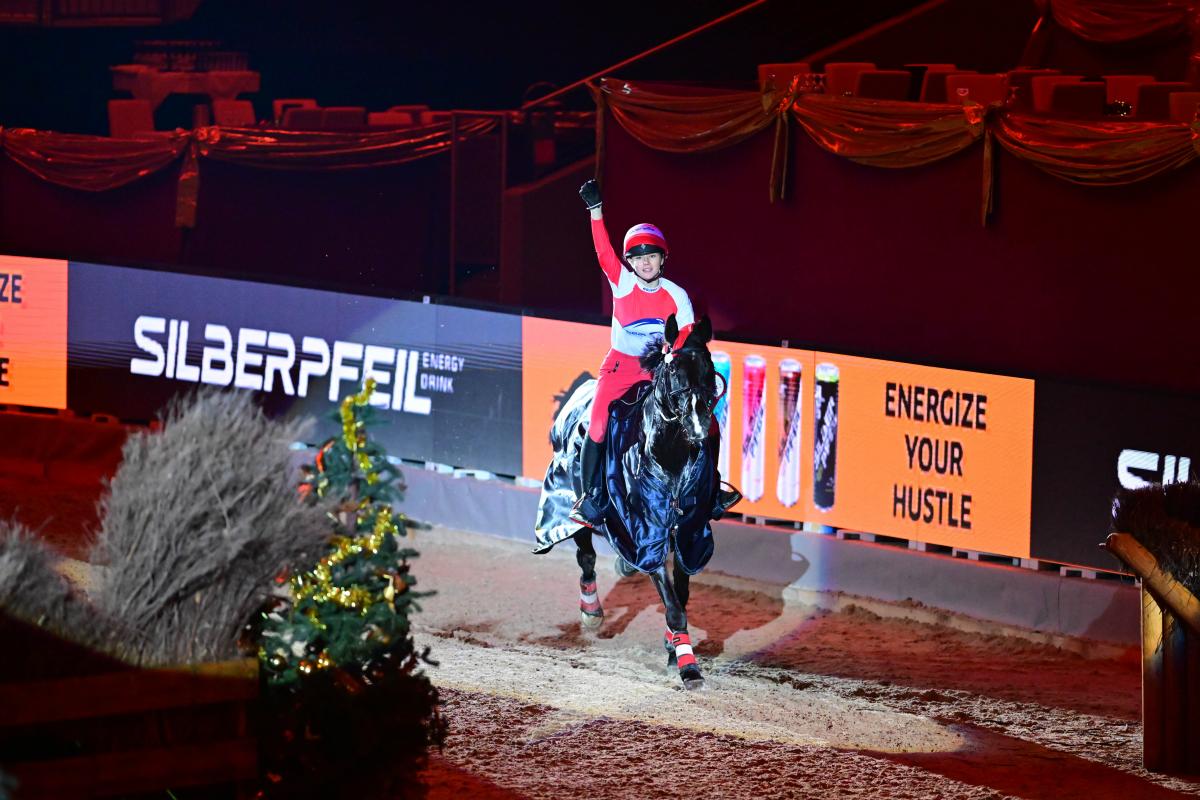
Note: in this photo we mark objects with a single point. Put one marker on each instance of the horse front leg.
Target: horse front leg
(683, 584)
(591, 615)
(679, 644)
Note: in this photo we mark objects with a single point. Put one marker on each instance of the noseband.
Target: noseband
(663, 401)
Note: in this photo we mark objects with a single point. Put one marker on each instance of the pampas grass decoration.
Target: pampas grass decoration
(197, 524)
(31, 589)
(1166, 521)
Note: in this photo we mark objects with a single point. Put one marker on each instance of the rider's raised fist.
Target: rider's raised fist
(590, 192)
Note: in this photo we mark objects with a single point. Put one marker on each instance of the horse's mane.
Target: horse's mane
(652, 357)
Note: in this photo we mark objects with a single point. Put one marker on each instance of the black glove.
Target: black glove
(590, 192)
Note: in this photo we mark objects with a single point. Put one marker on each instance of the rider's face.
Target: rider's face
(647, 267)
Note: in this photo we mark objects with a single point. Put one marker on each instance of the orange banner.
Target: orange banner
(556, 358)
(934, 455)
(33, 332)
(922, 453)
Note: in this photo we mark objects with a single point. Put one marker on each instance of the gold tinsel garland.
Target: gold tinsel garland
(317, 583)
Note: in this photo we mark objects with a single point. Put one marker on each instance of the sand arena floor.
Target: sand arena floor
(800, 702)
(865, 701)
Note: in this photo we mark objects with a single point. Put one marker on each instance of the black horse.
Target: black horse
(661, 477)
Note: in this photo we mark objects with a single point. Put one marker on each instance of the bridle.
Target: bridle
(661, 401)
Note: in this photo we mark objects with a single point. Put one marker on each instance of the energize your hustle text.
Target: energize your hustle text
(932, 455)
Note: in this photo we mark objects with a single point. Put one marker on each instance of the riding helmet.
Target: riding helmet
(643, 239)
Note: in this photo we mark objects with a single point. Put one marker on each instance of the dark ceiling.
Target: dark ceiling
(448, 55)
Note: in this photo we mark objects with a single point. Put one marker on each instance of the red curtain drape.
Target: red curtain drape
(691, 119)
(98, 163)
(1097, 153)
(884, 133)
(895, 134)
(677, 119)
(1109, 21)
(307, 150)
(91, 163)
(681, 119)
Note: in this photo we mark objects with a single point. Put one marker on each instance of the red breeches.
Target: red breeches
(617, 373)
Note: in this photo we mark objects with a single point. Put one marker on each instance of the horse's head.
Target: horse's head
(685, 383)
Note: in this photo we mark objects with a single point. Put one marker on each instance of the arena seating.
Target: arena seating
(343, 118)
(300, 118)
(982, 89)
(1154, 99)
(1078, 98)
(842, 77)
(390, 119)
(932, 88)
(1124, 88)
(233, 113)
(1184, 106)
(781, 74)
(280, 106)
(130, 118)
(883, 84)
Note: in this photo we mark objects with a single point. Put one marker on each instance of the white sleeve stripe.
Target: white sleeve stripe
(625, 285)
(684, 315)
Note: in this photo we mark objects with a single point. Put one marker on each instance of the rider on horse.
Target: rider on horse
(642, 301)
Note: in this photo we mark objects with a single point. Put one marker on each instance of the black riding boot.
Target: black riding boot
(589, 509)
(722, 500)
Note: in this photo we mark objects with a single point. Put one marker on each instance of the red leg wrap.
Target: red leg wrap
(683, 648)
(589, 599)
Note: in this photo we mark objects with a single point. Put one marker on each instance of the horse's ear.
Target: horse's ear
(672, 331)
(703, 330)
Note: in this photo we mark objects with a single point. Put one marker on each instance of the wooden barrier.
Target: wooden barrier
(1170, 662)
(132, 731)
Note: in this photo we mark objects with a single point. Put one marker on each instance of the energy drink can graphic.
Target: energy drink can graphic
(787, 487)
(721, 411)
(754, 420)
(825, 429)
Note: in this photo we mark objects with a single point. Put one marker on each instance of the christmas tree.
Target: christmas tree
(336, 649)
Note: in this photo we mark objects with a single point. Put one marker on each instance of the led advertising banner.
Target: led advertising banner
(934, 455)
(942, 456)
(1089, 443)
(766, 427)
(448, 378)
(559, 356)
(33, 332)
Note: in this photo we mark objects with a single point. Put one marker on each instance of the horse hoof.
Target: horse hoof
(691, 684)
(623, 569)
(591, 622)
(691, 677)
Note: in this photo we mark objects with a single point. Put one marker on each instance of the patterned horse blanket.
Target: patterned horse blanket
(645, 517)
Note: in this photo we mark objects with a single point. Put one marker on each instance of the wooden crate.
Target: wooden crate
(1170, 663)
(1170, 691)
